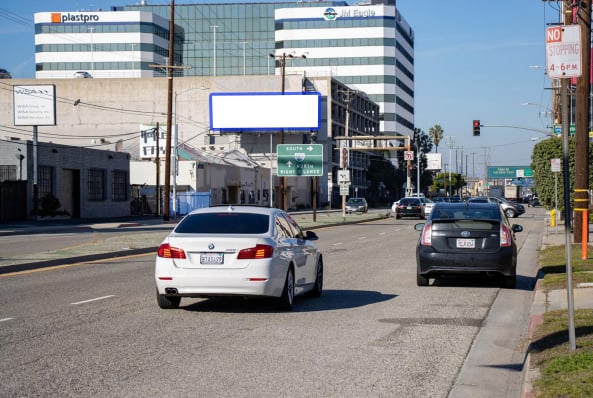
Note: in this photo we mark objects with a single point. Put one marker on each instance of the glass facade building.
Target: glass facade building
(369, 47)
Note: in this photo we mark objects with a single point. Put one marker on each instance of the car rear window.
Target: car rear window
(224, 223)
(456, 214)
(409, 202)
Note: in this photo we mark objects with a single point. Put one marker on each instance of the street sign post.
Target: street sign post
(300, 160)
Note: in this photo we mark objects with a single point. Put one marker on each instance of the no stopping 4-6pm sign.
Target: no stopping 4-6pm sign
(563, 51)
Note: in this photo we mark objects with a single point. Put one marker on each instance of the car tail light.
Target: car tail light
(166, 251)
(505, 236)
(257, 252)
(426, 236)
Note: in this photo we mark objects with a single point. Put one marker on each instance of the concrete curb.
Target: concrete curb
(529, 374)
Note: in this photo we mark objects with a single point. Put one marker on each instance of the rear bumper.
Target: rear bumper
(502, 261)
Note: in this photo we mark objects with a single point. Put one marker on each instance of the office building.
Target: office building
(102, 44)
(367, 46)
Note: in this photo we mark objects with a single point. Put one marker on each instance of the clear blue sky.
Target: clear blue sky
(472, 61)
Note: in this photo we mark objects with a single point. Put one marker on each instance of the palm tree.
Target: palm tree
(436, 134)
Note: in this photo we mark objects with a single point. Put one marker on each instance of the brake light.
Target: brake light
(426, 236)
(505, 236)
(257, 252)
(166, 251)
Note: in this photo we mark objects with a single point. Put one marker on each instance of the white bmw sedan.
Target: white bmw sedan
(237, 250)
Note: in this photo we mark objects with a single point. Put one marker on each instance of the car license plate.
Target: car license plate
(466, 243)
(409, 207)
(211, 258)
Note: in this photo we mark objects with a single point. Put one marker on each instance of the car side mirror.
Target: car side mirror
(419, 226)
(310, 235)
(517, 228)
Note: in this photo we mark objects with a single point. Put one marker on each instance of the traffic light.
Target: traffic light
(476, 127)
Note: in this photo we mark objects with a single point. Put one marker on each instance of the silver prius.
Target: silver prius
(236, 250)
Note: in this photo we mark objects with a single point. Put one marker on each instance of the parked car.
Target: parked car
(428, 205)
(4, 74)
(356, 205)
(533, 201)
(409, 207)
(394, 207)
(440, 199)
(235, 250)
(511, 209)
(82, 74)
(467, 238)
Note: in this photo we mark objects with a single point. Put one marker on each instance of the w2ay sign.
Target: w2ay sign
(563, 51)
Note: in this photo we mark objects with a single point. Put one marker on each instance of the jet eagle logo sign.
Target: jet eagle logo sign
(330, 14)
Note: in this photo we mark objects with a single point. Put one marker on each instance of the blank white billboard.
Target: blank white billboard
(265, 111)
(433, 161)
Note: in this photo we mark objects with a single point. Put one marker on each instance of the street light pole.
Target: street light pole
(214, 29)
(450, 143)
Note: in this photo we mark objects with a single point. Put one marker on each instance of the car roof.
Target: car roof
(237, 208)
(455, 210)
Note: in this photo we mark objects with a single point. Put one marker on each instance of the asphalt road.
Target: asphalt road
(95, 330)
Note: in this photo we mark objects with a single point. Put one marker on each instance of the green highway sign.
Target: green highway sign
(495, 172)
(558, 129)
(299, 160)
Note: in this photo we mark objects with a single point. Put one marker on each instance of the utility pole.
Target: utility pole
(567, 212)
(583, 100)
(169, 112)
(158, 169)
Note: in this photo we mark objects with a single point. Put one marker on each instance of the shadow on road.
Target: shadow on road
(330, 300)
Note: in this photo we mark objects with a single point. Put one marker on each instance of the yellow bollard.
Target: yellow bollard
(553, 218)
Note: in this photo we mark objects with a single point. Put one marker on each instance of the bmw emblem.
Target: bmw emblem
(211, 246)
(465, 234)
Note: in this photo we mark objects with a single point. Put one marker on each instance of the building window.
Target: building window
(119, 186)
(96, 184)
(45, 181)
(7, 173)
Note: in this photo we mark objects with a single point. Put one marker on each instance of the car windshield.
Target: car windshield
(224, 223)
(356, 201)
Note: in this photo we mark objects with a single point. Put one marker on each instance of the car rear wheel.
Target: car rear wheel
(318, 288)
(421, 280)
(510, 213)
(167, 302)
(285, 301)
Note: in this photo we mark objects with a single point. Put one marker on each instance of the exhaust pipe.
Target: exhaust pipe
(170, 290)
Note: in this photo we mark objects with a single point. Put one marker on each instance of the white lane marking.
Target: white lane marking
(362, 237)
(338, 244)
(91, 300)
(382, 233)
(5, 319)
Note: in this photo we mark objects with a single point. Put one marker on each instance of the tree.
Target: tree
(436, 134)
